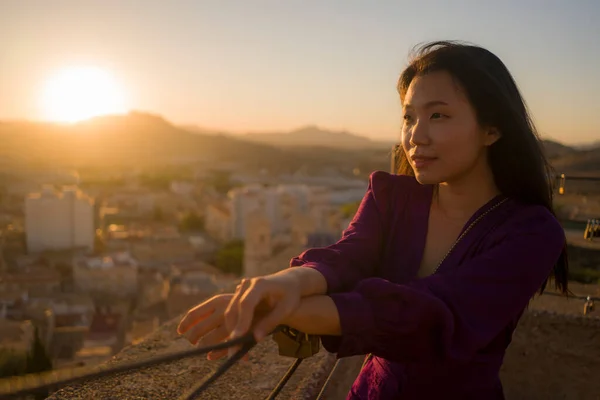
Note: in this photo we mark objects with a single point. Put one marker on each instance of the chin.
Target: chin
(425, 178)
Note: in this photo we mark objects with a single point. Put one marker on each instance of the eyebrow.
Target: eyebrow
(429, 104)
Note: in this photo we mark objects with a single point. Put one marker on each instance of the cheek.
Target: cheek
(458, 144)
(405, 139)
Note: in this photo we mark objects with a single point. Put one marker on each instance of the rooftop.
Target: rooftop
(30, 274)
(48, 191)
(118, 259)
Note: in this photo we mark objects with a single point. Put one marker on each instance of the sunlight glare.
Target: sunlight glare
(79, 93)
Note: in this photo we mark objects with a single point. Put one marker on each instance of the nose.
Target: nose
(419, 134)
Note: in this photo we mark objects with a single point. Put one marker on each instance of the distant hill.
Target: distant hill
(588, 146)
(133, 138)
(202, 131)
(587, 161)
(140, 139)
(555, 150)
(313, 136)
(573, 160)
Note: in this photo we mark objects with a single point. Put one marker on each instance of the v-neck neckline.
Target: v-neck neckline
(423, 213)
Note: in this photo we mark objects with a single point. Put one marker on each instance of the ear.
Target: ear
(491, 136)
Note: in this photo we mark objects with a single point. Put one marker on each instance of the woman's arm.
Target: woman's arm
(316, 315)
(309, 280)
(358, 252)
(443, 315)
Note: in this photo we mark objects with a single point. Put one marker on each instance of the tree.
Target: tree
(158, 215)
(191, 222)
(349, 209)
(221, 181)
(12, 363)
(37, 361)
(155, 182)
(230, 258)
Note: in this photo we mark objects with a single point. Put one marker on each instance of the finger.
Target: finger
(216, 336)
(247, 307)
(271, 320)
(231, 313)
(232, 350)
(233, 316)
(196, 314)
(216, 355)
(204, 327)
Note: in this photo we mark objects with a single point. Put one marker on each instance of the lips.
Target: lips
(420, 161)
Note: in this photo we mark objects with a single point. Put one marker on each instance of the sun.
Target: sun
(78, 93)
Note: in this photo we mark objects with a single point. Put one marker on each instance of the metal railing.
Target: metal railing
(17, 387)
(592, 229)
(588, 305)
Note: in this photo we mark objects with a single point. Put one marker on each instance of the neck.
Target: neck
(462, 197)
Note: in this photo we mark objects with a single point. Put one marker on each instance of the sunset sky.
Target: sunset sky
(257, 65)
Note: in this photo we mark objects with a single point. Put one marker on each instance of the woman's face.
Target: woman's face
(441, 136)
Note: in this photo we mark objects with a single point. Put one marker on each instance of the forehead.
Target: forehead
(434, 86)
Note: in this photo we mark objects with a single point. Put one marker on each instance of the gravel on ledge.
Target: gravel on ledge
(253, 379)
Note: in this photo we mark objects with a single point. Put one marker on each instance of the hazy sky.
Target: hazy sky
(258, 65)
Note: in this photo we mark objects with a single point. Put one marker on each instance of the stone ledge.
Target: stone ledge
(583, 320)
(553, 357)
(253, 379)
(541, 340)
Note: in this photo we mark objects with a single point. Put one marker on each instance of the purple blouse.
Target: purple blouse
(444, 335)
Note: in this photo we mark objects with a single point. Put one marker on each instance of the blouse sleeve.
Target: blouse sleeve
(452, 314)
(356, 254)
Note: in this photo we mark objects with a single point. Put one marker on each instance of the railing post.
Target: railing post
(561, 185)
(588, 307)
(592, 229)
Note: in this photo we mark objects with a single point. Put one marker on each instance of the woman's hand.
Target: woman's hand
(261, 304)
(204, 325)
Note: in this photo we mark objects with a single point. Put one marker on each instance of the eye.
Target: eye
(438, 116)
(407, 118)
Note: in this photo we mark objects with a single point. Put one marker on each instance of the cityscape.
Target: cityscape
(100, 268)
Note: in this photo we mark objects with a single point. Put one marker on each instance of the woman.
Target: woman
(440, 261)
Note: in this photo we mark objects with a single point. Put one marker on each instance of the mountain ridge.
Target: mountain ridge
(307, 135)
(140, 137)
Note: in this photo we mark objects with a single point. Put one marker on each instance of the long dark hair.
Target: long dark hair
(517, 159)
